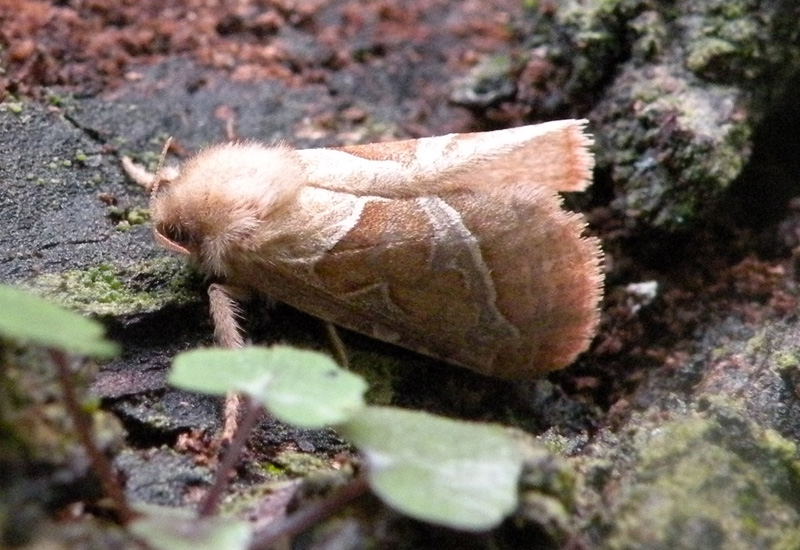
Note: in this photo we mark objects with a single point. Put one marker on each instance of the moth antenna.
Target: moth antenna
(151, 181)
(163, 156)
(138, 173)
(160, 176)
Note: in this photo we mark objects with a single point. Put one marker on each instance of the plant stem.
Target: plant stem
(83, 426)
(310, 515)
(210, 503)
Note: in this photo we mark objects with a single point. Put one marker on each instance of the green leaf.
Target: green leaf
(33, 320)
(304, 388)
(175, 529)
(459, 474)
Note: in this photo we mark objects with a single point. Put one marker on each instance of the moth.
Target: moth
(456, 246)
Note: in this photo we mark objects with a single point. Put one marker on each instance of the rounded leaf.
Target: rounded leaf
(459, 474)
(300, 387)
(32, 320)
(175, 529)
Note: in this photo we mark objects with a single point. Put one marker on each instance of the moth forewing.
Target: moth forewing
(453, 246)
(553, 154)
(499, 281)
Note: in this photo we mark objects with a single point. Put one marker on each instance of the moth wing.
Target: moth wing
(553, 154)
(499, 282)
(454, 246)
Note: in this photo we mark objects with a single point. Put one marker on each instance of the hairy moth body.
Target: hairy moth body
(453, 246)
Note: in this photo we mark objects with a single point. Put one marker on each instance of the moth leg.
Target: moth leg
(339, 351)
(224, 314)
(230, 417)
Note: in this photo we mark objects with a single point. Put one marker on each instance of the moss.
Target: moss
(298, 464)
(248, 500)
(550, 474)
(273, 469)
(548, 489)
(738, 41)
(12, 106)
(112, 290)
(380, 372)
(709, 479)
(56, 99)
(581, 44)
(683, 86)
(758, 343)
(126, 218)
(488, 83)
(151, 159)
(138, 216)
(786, 360)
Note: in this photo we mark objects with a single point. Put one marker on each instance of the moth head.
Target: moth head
(176, 238)
(221, 203)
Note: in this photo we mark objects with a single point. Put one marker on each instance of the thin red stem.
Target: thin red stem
(210, 503)
(83, 426)
(309, 516)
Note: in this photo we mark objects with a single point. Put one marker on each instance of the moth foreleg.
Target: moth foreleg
(225, 315)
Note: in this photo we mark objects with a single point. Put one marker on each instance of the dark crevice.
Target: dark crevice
(143, 435)
(91, 133)
(760, 196)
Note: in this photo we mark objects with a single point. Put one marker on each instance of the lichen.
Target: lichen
(738, 41)
(786, 360)
(757, 343)
(489, 82)
(709, 479)
(577, 48)
(681, 87)
(672, 146)
(548, 491)
(114, 290)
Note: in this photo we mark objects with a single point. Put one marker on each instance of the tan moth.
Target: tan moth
(455, 246)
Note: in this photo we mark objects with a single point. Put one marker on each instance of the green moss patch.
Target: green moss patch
(710, 480)
(113, 290)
